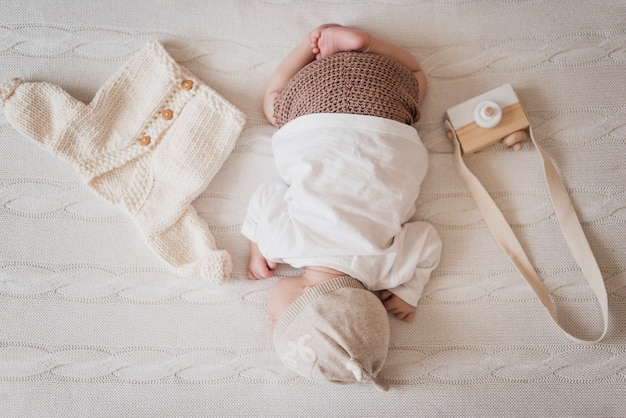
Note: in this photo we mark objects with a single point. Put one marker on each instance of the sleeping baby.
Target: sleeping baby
(350, 166)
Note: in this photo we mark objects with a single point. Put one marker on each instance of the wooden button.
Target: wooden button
(187, 85)
(145, 140)
(167, 114)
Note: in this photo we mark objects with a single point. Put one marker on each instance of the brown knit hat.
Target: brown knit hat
(335, 332)
(358, 83)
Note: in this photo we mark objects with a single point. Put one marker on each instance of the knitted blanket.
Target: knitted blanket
(93, 323)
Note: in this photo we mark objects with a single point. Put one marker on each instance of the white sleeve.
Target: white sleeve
(429, 256)
(260, 204)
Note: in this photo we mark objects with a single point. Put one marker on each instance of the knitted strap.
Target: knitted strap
(568, 221)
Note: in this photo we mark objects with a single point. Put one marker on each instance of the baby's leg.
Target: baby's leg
(294, 62)
(302, 55)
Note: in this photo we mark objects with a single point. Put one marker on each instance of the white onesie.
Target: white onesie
(348, 191)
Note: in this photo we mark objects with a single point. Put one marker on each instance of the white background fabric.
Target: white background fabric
(91, 324)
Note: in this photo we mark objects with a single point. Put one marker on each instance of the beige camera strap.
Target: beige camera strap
(569, 223)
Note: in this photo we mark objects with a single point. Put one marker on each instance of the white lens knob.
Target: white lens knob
(487, 114)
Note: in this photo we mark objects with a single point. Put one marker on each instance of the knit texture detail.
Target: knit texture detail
(350, 82)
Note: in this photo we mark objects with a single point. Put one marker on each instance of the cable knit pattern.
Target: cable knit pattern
(92, 323)
(350, 82)
(150, 142)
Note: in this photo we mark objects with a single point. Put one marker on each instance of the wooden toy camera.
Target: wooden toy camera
(489, 118)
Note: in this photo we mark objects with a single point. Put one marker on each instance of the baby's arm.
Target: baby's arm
(402, 300)
(264, 198)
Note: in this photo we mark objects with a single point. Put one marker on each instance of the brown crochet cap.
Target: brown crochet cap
(350, 82)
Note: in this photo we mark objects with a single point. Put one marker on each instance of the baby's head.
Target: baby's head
(336, 331)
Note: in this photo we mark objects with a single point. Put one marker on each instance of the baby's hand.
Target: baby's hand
(258, 266)
(398, 307)
(260, 269)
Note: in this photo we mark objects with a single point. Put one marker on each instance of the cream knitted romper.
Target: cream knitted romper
(150, 142)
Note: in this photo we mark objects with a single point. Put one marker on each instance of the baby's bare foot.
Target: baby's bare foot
(315, 34)
(329, 39)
